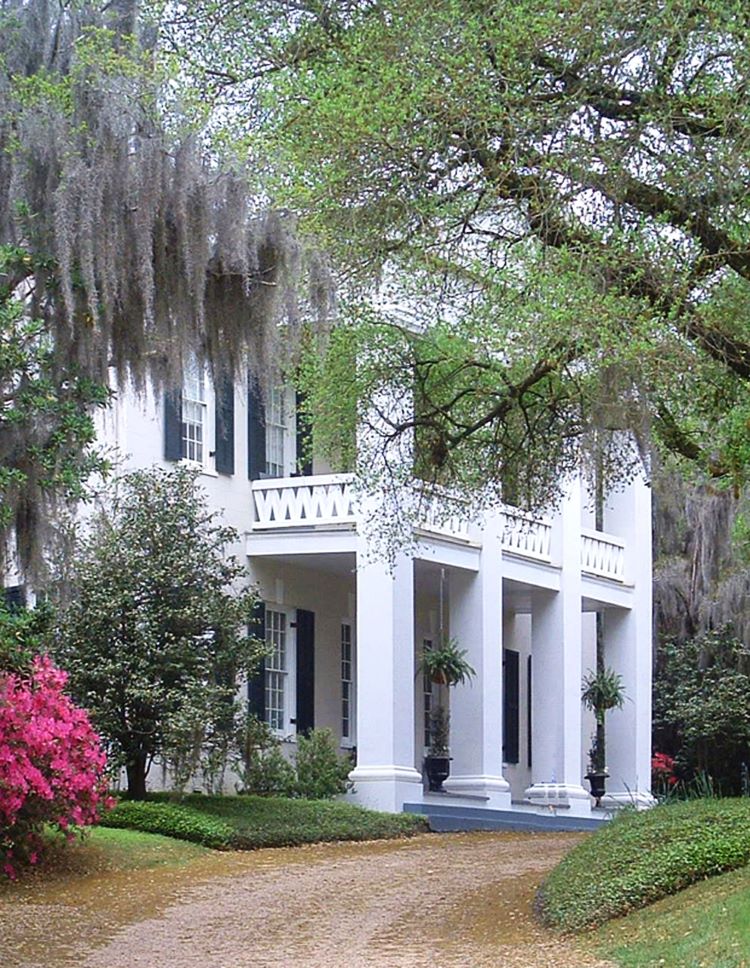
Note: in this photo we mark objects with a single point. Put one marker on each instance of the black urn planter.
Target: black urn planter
(598, 782)
(438, 769)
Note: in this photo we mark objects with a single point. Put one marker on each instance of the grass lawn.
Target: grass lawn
(246, 823)
(108, 850)
(639, 858)
(705, 926)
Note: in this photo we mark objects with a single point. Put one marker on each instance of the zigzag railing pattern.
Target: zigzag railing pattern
(295, 502)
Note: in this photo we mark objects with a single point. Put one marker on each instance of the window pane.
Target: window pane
(276, 669)
(347, 683)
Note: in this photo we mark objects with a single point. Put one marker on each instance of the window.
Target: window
(194, 418)
(277, 670)
(347, 683)
(427, 699)
(276, 432)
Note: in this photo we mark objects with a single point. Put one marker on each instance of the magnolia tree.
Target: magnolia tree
(51, 762)
(155, 636)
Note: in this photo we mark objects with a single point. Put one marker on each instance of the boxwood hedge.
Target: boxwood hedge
(641, 857)
(246, 823)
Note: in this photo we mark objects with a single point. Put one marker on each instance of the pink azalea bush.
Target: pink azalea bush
(51, 762)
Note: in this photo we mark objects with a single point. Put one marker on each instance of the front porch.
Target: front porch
(519, 594)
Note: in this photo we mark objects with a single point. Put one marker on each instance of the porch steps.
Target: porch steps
(454, 817)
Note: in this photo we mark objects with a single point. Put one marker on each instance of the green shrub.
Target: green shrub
(171, 820)
(639, 858)
(322, 773)
(261, 766)
(250, 822)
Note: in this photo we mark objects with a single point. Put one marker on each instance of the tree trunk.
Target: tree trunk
(136, 772)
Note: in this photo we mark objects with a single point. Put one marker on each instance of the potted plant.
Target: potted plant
(438, 760)
(602, 690)
(445, 665)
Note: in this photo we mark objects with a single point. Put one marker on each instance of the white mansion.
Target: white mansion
(520, 594)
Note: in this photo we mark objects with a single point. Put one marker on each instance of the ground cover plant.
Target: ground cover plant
(640, 858)
(707, 924)
(247, 823)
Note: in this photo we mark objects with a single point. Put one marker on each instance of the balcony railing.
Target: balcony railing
(602, 555)
(526, 535)
(299, 502)
(330, 502)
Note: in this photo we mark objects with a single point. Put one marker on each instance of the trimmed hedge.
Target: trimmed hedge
(170, 820)
(639, 858)
(247, 823)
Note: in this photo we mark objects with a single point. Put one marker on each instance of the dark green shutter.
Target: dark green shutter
(225, 426)
(173, 425)
(15, 597)
(304, 438)
(305, 670)
(256, 685)
(528, 712)
(256, 433)
(511, 687)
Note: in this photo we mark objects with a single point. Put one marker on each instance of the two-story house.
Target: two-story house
(519, 593)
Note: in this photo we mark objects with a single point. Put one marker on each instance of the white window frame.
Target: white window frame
(203, 402)
(280, 415)
(283, 727)
(349, 739)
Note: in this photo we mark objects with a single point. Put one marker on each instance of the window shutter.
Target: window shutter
(15, 597)
(225, 426)
(304, 438)
(256, 684)
(256, 433)
(528, 712)
(305, 670)
(510, 706)
(173, 425)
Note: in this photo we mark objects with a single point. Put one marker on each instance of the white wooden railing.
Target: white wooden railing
(603, 555)
(296, 502)
(526, 535)
(330, 501)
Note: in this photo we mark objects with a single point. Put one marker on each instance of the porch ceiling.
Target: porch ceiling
(343, 564)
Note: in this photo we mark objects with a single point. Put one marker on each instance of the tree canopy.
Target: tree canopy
(554, 194)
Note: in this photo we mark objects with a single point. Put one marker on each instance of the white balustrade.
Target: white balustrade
(526, 535)
(443, 514)
(297, 502)
(603, 555)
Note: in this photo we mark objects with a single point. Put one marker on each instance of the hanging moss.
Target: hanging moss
(143, 248)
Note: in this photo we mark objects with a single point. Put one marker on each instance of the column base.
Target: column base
(385, 788)
(631, 798)
(495, 788)
(569, 798)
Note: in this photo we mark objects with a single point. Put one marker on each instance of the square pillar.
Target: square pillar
(384, 777)
(557, 672)
(628, 644)
(476, 707)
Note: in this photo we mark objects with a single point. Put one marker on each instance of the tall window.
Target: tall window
(276, 669)
(275, 433)
(347, 683)
(427, 698)
(194, 420)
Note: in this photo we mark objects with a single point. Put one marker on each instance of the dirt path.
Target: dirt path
(440, 901)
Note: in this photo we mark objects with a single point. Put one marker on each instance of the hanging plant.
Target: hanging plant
(446, 664)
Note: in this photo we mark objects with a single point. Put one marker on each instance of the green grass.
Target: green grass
(107, 850)
(705, 926)
(640, 858)
(247, 823)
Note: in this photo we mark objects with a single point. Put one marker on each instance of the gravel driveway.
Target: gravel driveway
(436, 900)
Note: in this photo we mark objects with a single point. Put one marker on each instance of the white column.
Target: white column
(556, 673)
(385, 777)
(628, 650)
(476, 707)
